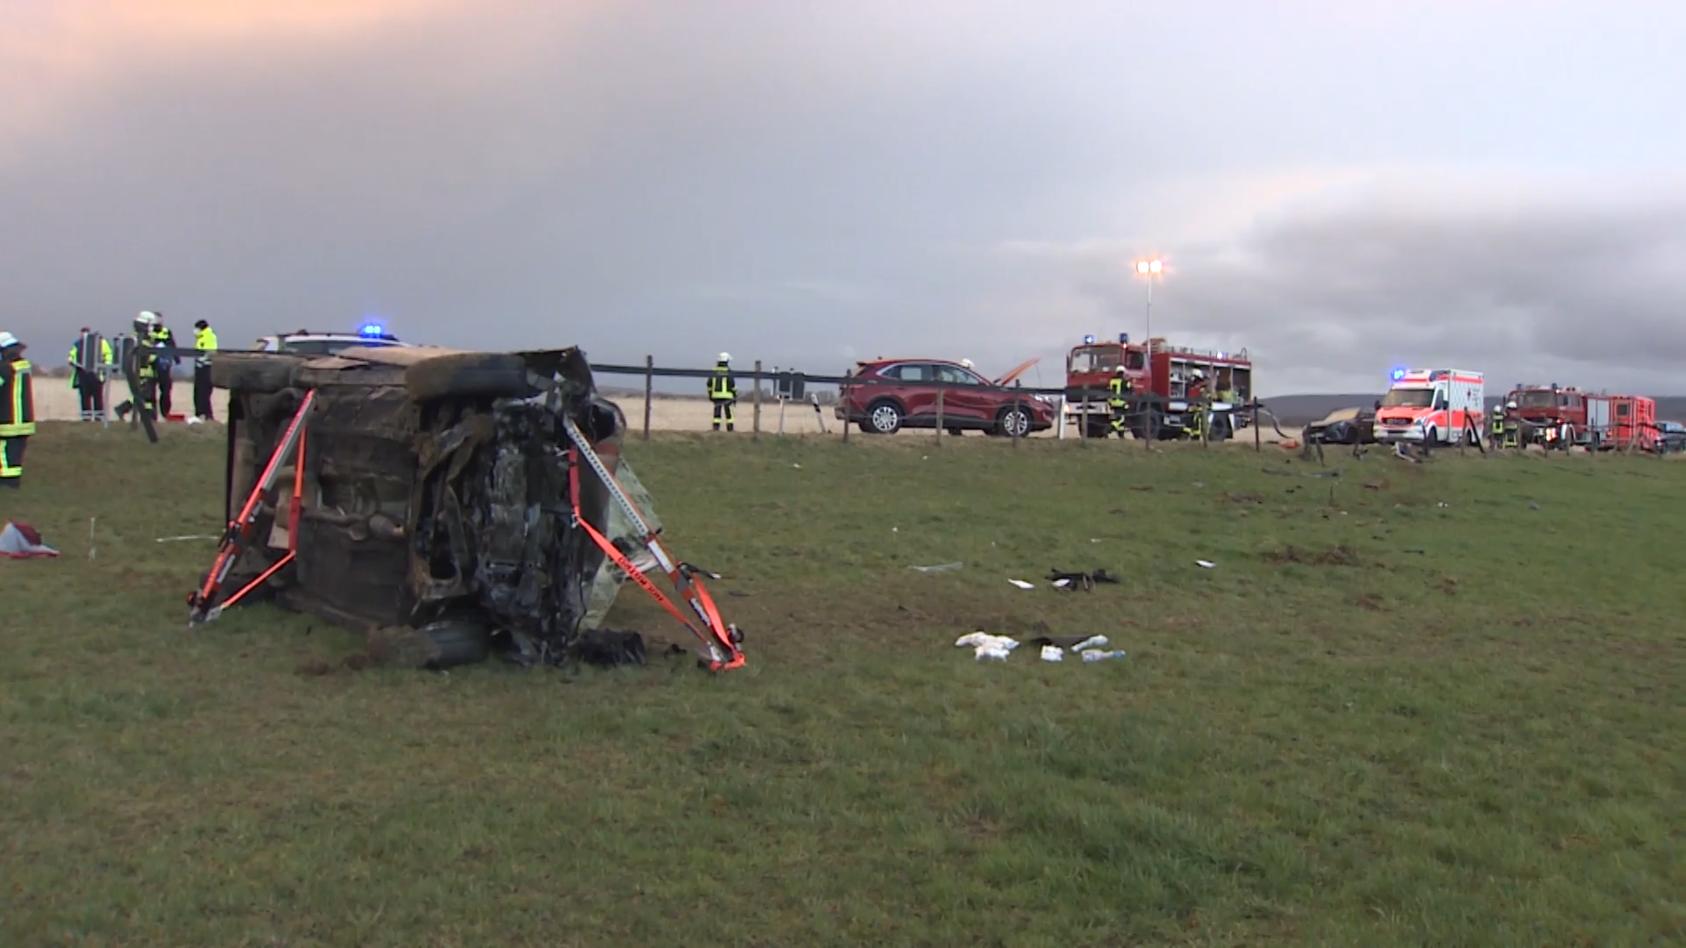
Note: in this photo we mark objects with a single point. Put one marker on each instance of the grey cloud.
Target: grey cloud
(808, 183)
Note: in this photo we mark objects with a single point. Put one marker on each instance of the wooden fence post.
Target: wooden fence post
(1258, 440)
(756, 434)
(649, 391)
(939, 417)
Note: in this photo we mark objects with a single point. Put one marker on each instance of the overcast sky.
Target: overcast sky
(1337, 187)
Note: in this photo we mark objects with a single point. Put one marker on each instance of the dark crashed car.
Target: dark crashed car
(436, 495)
(1343, 426)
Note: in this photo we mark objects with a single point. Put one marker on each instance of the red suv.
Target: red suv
(901, 394)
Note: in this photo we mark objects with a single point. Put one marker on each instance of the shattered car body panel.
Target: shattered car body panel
(438, 500)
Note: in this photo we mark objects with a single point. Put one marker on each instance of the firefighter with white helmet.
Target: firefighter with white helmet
(142, 360)
(1119, 389)
(1496, 428)
(1513, 426)
(17, 408)
(723, 392)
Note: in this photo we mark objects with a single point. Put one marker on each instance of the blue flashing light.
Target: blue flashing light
(1124, 338)
(371, 330)
(1089, 340)
(1397, 374)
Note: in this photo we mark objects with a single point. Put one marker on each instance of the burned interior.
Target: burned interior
(480, 498)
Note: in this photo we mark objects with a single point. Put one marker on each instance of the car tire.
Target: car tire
(883, 417)
(454, 642)
(252, 371)
(469, 375)
(1014, 422)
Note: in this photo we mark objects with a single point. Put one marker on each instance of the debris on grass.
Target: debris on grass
(1022, 584)
(1073, 580)
(986, 647)
(186, 538)
(1093, 641)
(1205, 564)
(1052, 653)
(20, 541)
(1096, 655)
(937, 568)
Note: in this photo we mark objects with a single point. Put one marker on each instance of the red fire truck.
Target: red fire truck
(1175, 374)
(1557, 416)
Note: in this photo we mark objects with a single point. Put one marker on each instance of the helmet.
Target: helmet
(7, 340)
(966, 362)
(146, 319)
(1498, 409)
(1119, 370)
(1199, 374)
(725, 357)
(1510, 404)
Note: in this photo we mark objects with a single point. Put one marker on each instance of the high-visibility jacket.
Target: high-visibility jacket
(17, 400)
(1119, 386)
(77, 359)
(1498, 424)
(722, 386)
(205, 340)
(162, 338)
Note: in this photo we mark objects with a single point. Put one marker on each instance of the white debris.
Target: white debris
(1022, 584)
(1052, 653)
(1095, 655)
(1093, 641)
(1205, 564)
(986, 647)
(938, 568)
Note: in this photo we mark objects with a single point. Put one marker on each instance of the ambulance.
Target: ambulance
(1432, 407)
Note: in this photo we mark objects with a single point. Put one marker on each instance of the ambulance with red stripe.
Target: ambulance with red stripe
(1432, 406)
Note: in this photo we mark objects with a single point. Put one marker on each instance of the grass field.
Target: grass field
(1411, 705)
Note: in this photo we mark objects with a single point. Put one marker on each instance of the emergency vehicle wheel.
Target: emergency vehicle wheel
(883, 417)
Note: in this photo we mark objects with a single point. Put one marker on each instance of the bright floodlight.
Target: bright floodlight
(1156, 266)
(1145, 267)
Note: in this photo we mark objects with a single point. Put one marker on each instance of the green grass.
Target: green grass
(1348, 743)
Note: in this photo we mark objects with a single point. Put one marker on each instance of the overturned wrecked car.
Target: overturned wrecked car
(477, 498)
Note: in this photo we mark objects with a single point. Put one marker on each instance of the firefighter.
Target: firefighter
(164, 361)
(204, 343)
(145, 362)
(1496, 433)
(1197, 386)
(1119, 389)
(1513, 426)
(17, 409)
(723, 392)
(89, 355)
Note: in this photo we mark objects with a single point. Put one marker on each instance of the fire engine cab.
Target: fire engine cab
(1431, 406)
(1557, 417)
(1181, 377)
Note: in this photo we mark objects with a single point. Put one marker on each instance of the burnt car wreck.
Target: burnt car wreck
(477, 498)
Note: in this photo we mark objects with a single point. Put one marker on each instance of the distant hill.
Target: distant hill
(1300, 409)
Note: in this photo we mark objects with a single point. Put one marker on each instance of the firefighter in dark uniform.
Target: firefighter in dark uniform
(164, 362)
(1197, 406)
(1496, 436)
(145, 366)
(89, 356)
(204, 343)
(723, 391)
(1119, 389)
(17, 409)
(1513, 426)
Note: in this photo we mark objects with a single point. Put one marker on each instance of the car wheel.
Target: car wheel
(252, 371)
(1013, 422)
(468, 375)
(454, 642)
(883, 417)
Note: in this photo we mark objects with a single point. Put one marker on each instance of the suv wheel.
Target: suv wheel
(884, 417)
(1014, 422)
